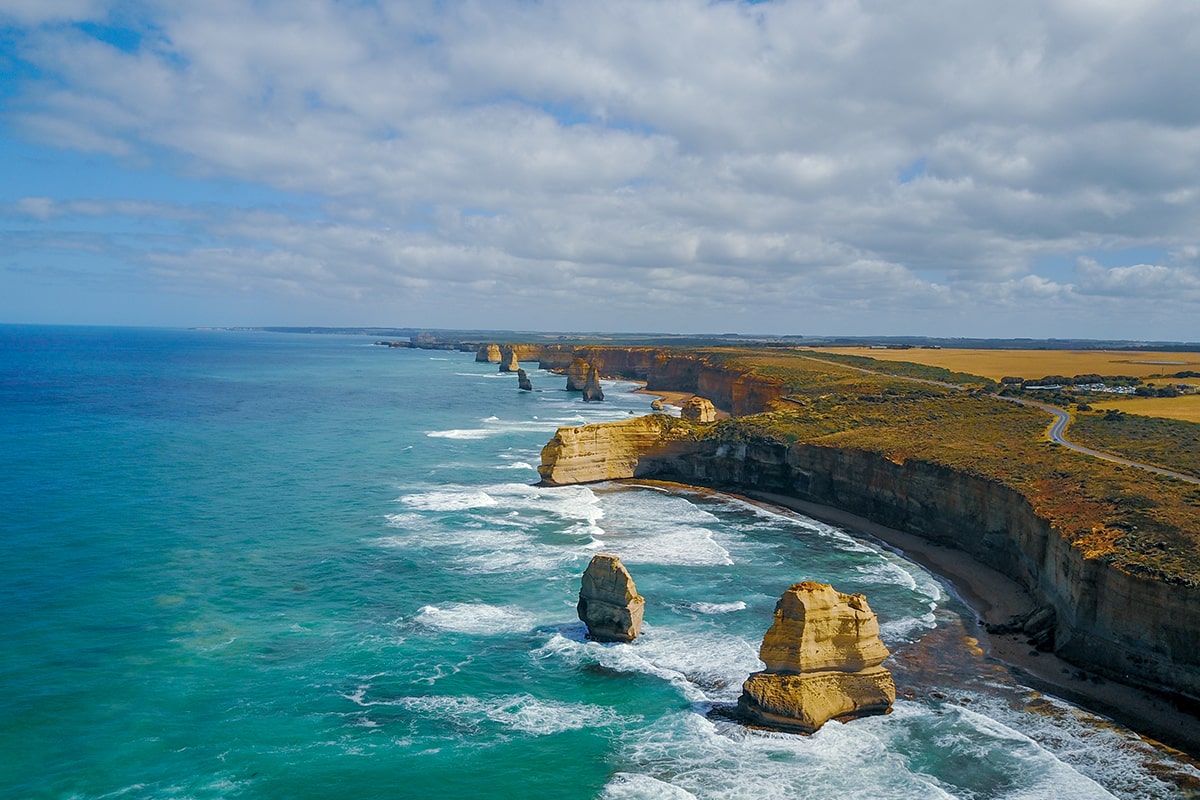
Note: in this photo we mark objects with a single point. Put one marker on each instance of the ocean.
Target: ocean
(262, 565)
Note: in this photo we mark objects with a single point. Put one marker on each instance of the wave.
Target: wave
(627, 786)
(521, 713)
(469, 433)
(705, 667)
(476, 618)
(716, 608)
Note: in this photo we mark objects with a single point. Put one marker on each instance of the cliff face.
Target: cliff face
(522, 352)
(736, 392)
(605, 451)
(1134, 628)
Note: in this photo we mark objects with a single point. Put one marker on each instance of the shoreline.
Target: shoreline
(673, 398)
(992, 597)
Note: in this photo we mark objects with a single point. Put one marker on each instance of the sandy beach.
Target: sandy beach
(994, 598)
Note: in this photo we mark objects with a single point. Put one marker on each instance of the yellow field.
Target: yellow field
(1034, 364)
(1185, 407)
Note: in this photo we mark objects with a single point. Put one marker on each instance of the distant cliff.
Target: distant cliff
(1137, 629)
(738, 392)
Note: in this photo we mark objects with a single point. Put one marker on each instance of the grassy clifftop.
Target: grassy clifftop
(1135, 520)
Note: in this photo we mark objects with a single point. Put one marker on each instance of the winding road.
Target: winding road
(1054, 432)
(1059, 426)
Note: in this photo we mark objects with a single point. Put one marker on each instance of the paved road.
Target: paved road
(1059, 426)
(1055, 432)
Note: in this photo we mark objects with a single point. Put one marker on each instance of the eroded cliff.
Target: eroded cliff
(737, 391)
(1136, 628)
(608, 450)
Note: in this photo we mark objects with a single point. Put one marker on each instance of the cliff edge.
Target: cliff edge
(1135, 628)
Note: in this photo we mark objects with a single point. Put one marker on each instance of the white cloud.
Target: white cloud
(675, 154)
(1139, 281)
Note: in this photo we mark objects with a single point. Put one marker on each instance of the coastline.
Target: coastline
(994, 598)
(673, 398)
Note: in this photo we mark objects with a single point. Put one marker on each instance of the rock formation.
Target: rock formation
(656, 404)
(699, 409)
(508, 359)
(523, 381)
(607, 450)
(577, 374)
(822, 657)
(609, 602)
(488, 353)
(591, 387)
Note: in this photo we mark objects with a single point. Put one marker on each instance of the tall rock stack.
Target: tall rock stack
(822, 656)
(591, 387)
(523, 381)
(577, 373)
(609, 602)
(698, 409)
(508, 360)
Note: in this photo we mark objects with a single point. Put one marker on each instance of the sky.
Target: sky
(1027, 168)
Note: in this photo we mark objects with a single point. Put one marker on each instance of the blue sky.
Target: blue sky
(841, 167)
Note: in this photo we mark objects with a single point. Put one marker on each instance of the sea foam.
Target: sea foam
(476, 618)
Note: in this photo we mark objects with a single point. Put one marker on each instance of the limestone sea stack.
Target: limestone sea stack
(591, 387)
(698, 409)
(608, 601)
(822, 657)
(508, 359)
(523, 381)
(577, 372)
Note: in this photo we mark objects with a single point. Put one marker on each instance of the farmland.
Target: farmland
(1033, 364)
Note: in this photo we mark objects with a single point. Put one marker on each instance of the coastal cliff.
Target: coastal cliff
(1135, 628)
(735, 391)
(608, 450)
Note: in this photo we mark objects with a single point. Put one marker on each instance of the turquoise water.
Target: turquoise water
(262, 565)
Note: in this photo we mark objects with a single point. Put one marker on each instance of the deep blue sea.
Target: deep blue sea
(259, 565)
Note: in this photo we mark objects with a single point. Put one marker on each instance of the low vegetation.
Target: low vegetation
(995, 364)
(1174, 444)
(1138, 521)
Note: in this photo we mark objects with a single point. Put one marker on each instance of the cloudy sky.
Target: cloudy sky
(1018, 168)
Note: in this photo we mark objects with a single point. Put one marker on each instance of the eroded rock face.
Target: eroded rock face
(591, 387)
(523, 381)
(822, 656)
(608, 601)
(488, 353)
(818, 628)
(508, 359)
(699, 409)
(604, 451)
(577, 373)
(656, 405)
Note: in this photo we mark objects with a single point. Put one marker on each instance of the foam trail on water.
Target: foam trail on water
(716, 608)
(452, 500)
(704, 666)
(521, 713)
(476, 618)
(474, 433)
(627, 786)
